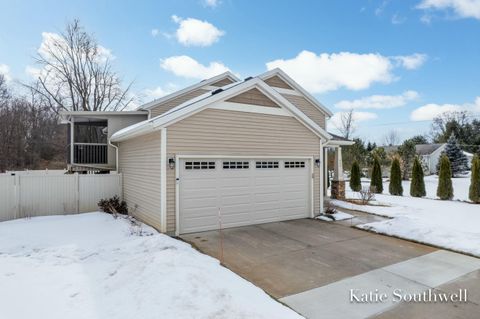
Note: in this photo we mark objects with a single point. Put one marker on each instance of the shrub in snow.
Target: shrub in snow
(355, 183)
(417, 186)
(367, 194)
(395, 186)
(458, 160)
(376, 183)
(474, 191)
(113, 206)
(445, 189)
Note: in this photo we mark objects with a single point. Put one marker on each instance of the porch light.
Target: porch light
(317, 162)
(171, 162)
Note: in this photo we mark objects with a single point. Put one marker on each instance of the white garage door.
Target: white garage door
(238, 192)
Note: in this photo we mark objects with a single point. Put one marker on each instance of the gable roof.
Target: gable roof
(201, 102)
(283, 76)
(420, 149)
(218, 79)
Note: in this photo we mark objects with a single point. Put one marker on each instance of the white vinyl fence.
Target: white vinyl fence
(42, 195)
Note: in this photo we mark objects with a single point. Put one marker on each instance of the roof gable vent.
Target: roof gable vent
(217, 91)
(247, 79)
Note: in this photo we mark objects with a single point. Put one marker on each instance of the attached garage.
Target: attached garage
(237, 156)
(218, 193)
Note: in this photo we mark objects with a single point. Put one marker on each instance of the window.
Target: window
(299, 164)
(269, 164)
(235, 165)
(199, 165)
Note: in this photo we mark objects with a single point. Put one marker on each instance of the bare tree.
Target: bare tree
(346, 127)
(4, 94)
(76, 73)
(391, 138)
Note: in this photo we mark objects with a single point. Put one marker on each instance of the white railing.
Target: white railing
(90, 153)
(41, 195)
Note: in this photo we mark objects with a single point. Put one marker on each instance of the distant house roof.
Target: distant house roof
(420, 149)
(426, 149)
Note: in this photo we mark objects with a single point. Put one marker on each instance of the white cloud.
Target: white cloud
(211, 3)
(429, 111)
(327, 72)
(378, 101)
(336, 119)
(160, 91)
(5, 71)
(187, 67)
(194, 32)
(411, 62)
(154, 32)
(397, 19)
(462, 8)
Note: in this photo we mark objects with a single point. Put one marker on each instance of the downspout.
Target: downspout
(70, 122)
(116, 154)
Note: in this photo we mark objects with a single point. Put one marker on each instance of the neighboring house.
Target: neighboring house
(227, 152)
(429, 155)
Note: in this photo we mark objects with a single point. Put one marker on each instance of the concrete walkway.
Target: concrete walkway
(413, 276)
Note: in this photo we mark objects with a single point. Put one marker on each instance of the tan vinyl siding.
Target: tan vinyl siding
(275, 81)
(139, 161)
(253, 96)
(223, 82)
(221, 132)
(170, 104)
(308, 108)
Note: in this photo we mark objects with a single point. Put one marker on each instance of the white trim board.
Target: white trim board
(163, 180)
(249, 108)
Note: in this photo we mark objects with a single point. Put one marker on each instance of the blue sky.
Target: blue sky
(417, 58)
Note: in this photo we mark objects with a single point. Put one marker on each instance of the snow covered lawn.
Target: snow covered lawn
(94, 266)
(460, 186)
(449, 224)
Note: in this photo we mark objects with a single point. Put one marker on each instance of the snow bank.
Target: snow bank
(449, 224)
(94, 266)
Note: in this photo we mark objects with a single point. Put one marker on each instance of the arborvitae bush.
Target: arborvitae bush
(417, 186)
(355, 183)
(474, 192)
(395, 186)
(445, 189)
(376, 182)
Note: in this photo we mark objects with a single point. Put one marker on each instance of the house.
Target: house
(429, 155)
(227, 152)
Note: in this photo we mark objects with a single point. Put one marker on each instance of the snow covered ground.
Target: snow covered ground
(94, 266)
(460, 186)
(449, 224)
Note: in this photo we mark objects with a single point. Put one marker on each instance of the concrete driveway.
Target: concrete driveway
(286, 258)
(310, 265)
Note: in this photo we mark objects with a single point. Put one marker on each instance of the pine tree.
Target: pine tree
(474, 192)
(355, 183)
(445, 189)
(458, 160)
(395, 187)
(417, 186)
(376, 182)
